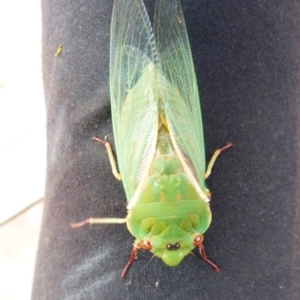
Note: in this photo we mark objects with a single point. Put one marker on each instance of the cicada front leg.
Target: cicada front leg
(198, 242)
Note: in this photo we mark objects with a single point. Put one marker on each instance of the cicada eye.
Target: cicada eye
(198, 240)
(146, 245)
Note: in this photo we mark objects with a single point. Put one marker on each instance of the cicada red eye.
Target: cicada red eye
(146, 245)
(198, 240)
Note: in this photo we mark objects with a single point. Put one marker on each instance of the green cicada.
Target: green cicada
(158, 132)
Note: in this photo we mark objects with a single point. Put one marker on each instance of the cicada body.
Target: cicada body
(158, 132)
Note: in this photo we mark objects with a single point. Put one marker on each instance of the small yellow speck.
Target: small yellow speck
(58, 51)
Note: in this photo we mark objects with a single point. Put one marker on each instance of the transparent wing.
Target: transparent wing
(132, 82)
(182, 110)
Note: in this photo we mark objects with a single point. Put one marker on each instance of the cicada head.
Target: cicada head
(171, 245)
(168, 230)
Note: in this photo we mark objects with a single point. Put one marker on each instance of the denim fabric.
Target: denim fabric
(246, 56)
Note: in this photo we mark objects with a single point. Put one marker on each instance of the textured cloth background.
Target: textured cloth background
(246, 56)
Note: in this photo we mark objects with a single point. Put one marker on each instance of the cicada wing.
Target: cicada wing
(132, 81)
(183, 112)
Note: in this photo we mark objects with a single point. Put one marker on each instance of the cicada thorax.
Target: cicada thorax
(169, 212)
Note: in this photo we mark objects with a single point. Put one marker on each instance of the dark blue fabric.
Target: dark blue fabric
(246, 56)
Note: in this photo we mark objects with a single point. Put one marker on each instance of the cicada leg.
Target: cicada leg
(132, 258)
(204, 257)
(91, 221)
(198, 242)
(214, 158)
(110, 156)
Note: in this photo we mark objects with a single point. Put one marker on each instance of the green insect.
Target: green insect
(158, 133)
